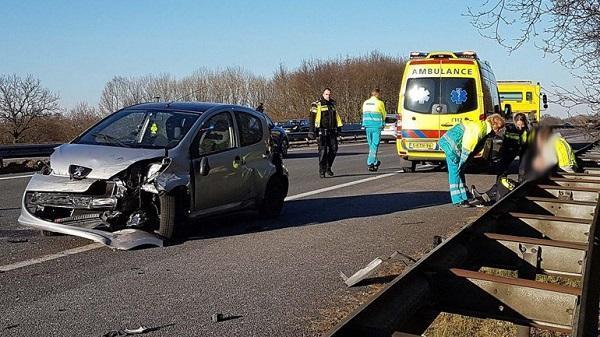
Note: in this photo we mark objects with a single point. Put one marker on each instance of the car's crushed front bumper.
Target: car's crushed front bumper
(62, 205)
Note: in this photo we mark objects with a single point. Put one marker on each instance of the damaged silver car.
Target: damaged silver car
(149, 167)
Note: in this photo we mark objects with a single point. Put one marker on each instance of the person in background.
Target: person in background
(459, 144)
(325, 125)
(373, 121)
(260, 107)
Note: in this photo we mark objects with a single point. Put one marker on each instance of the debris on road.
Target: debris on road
(216, 317)
(371, 268)
(128, 332)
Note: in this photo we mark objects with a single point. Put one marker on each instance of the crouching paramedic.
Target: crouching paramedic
(458, 144)
(373, 121)
(325, 124)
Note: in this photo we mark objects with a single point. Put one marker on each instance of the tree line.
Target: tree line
(30, 113)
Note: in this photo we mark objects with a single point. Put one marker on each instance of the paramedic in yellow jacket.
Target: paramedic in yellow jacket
(325, 125)
(373, 121)
(459, 143)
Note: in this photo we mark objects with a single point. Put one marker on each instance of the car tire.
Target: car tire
(168, 216)
(412, 168)
(271, 204)
(284, 148)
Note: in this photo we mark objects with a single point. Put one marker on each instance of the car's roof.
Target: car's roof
(186, 106)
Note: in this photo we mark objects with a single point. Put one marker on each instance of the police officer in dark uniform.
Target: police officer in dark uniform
(325, 125)
(514, 143)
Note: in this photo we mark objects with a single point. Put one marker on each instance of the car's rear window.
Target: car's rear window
(456, 95)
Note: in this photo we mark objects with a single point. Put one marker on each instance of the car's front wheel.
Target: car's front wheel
(168, 216)
(284, 148)
(271, 204)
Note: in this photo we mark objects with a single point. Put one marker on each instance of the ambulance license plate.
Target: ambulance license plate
(421, 145)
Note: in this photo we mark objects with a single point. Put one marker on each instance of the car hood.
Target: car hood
(104, 161)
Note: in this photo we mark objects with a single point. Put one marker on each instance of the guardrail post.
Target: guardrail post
(1, 162)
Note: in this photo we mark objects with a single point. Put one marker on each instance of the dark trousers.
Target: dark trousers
(328, 146)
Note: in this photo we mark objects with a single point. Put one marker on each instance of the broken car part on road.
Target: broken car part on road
(547, 226)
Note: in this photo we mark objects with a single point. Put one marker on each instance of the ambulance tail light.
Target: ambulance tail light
(482, 117)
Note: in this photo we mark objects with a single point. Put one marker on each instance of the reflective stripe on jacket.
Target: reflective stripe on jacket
(374, 113)
(318, 109)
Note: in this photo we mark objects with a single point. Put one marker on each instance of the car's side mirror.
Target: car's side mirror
(204, 166)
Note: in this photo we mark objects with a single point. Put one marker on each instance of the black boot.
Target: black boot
(329, 172)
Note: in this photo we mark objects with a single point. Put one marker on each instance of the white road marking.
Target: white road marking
(50, 257)
(16, 177)
(335, 187)
(93, 246)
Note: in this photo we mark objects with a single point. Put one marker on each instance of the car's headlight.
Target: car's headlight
(156, 168)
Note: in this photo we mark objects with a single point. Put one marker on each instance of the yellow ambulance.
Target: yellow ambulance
(523, 96)
(438, 91)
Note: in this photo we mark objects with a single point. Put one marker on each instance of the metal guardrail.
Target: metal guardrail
(548, 226)
(25, 151)
(45, 150)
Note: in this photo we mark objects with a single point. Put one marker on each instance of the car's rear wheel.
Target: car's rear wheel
(168, 216)
(271, 204)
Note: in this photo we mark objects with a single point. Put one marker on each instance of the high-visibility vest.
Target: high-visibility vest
(317, 108)
(564, 153)
(374, 113)
(474, 132)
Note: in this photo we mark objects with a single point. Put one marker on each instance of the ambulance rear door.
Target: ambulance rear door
(420, 123)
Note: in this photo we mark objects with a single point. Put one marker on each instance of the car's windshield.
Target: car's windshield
(140, 128)
(457, 95)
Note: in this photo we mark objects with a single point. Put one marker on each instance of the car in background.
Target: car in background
(279, 137)
(296, 125)
(151, 166)
(390, 130)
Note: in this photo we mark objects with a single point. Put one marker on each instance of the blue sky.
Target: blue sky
(75, 47)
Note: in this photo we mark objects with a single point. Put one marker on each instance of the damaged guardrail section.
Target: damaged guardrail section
(547, 226)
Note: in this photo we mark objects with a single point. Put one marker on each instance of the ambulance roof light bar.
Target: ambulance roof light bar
(418, 54)
(466, 54)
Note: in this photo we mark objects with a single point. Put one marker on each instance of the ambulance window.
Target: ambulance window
(459, 94)
(421, 94)
(511, 96)
(529, 96)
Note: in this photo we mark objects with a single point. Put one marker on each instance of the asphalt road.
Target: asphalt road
(271, 278)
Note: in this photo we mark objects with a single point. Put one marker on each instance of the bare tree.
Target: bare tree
(22, 102)
(567, 29)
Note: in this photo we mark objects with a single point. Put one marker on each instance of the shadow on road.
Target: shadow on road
(315, 211)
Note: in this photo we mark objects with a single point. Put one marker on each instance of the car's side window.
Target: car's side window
(250, 128)
(216, 134)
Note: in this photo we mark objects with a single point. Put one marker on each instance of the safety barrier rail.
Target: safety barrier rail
(498, 266)
(45, 150)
